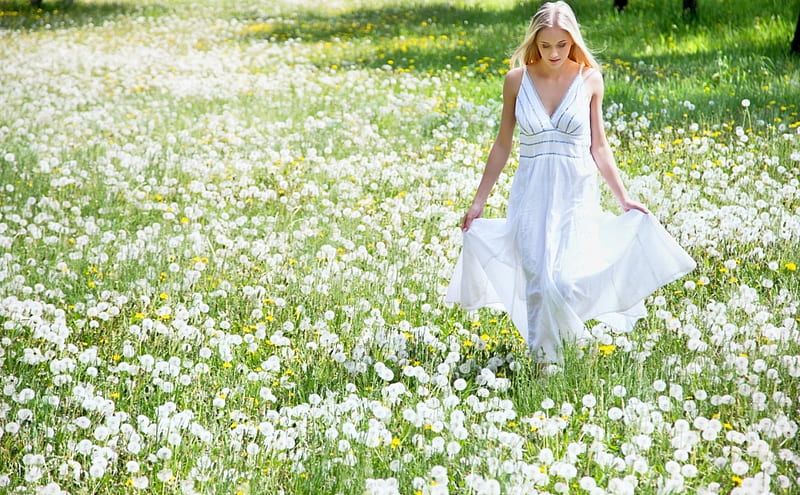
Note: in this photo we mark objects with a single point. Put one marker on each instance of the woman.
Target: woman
(558, 259)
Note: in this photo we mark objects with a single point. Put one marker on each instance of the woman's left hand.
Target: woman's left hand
(628, 205)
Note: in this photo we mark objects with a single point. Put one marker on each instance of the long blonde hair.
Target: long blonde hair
(558, 15)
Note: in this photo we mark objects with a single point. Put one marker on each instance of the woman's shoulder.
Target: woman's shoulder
(591, 73)
(593, 78)
(515, 74)
(513, 79)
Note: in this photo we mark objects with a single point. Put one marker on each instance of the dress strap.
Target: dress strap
(522, 79)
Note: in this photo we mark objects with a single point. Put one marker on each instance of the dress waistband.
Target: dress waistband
(553, 144)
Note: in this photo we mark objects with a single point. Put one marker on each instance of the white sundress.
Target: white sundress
(558, 259)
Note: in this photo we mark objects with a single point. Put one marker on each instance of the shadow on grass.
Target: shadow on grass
(22, 16)
(439, 36)
(416, 37)
(390, 21)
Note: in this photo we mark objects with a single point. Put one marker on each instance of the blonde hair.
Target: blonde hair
(557, 15)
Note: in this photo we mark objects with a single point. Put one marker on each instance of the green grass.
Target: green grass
(649, 50)
(21, 15)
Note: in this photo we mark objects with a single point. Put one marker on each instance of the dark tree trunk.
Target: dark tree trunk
(690, 6)
(620, 5)
(796, 40)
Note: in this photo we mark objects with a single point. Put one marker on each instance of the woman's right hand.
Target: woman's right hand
(475, 211)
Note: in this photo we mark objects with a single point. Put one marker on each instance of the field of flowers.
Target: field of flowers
(226, 230)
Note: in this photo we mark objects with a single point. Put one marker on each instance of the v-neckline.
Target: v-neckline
(563, 98)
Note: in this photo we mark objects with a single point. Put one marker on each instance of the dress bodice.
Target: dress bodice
(564, 133)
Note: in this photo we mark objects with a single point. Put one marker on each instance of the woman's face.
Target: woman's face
(554, 45)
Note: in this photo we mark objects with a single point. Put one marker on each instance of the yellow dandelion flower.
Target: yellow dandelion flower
(605, 350)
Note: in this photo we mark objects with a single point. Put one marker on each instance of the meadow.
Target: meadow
(226, 229)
